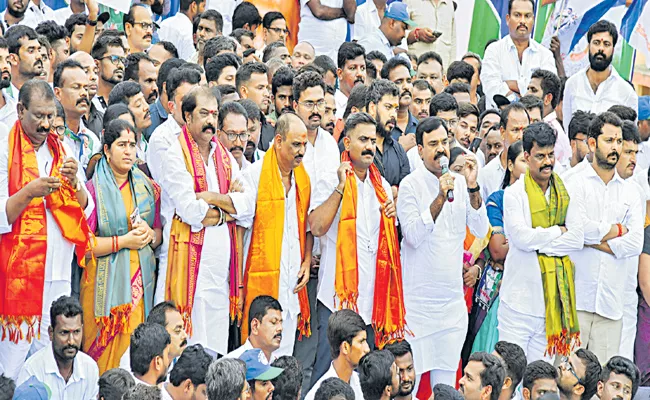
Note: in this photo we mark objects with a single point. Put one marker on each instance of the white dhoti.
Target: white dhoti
(526, 331)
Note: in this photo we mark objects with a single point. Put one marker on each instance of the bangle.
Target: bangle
(91, 23)
(620, 230)
(220, 217)
(114, 244)
(339, 191)
(480, 272)
(416, 34)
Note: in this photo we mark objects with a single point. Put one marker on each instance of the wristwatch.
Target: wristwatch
(91, 23)
(474, 190)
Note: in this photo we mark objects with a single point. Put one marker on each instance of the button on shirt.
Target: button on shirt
(501, 63)
(600, 277)
(375, 40)
(178, 30)
(82, 385)
(578, 95)
(437, 17)
(41, 12)
(392, 162)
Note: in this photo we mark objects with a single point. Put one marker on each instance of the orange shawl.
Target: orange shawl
(23, 250)
(388, 313)
(263, 263)
(185, 246)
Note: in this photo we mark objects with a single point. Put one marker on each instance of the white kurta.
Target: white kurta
(290, 257)
(490, 177)
(432, 267)
(58, 258)
(210, 313)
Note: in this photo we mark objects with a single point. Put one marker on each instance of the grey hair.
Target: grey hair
(225, 379)
(475, 56)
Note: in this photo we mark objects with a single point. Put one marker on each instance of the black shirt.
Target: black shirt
(393, 163)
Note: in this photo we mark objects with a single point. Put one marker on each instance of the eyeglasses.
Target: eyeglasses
(451, 122)
(569, 367)
(232, 136)
(60, 130)
(279, 31)
(144, 25)
(116, 59)
(309, 105)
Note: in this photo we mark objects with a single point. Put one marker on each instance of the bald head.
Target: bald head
(303, 54)
(289, 122)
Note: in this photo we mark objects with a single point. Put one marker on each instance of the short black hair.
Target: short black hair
(325, 63)
(260, 306)
(332, 388)
(231, 107)
(284, 76)
(15, 33)
(169, 47)
(185, 4)
(191, 99)
(514, 359)
(216, 65)
(245, 72)
(630, 132)
(67, 306)
(310, 68)
(460, 70)
(60, 111)
(621, 366)
(505, 113)
(357, 99)
(536, 370)
(112, 113)
(193, 364)
(179, 76)
(158, 314)
(445, 392)
(3, 42)
(343, 326)
(466, 109)
(7, 387)
(132, 67)
(427, 125)
(458, 87)
(356, 119)
(375, 373)
(531, 102)
(512, 1)
(380, 88)
(429, 56)
(421, 84)
(212, 15)
(371, 70)
(580, 123)
(305, 81)
(217, 44)
(493, 373)
(239, 33)
(596, 127)
(486, 113)
(550, 83)
(226, 90)
(271, 16)
(442, 102)
(252, 110)
(100, 48)
(393, 63)
(143, 392)
(245, 13)
(35, 87)
(399, 348)
(129, 18)
(349, 51)
(148, 341)
(114, 383)
(376, 55)
(287, 385)
(123, 91)
(603, 26)
(73, 21)
(267, 54)
(623, 112)
(165, 70)
(58, 72)
(52, 31)
(592, 372)
(539, 133)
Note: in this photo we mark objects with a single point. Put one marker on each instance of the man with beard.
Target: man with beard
(514, 362)
(351, 72)
(71, 89)
(578, 375)
(509, 62)
(488, 122)
(328, 122)
(140, 68)
(379, 376)
(404, 361)
(16, 14)
(613, 232)
(282, 91)
(467, 126)
(93, 119)
(68, 372)
(179, 29)
(159, 110)
(57, 35)
(27, 61)
(422, 95)
(599, 86)
(540, 378)
(252, 83)
(432, 255)
(233, 129)
(187, 378)
(130, 94)
(149, 351)
(391, 31)
(619, 380)
(7, 103)
(482, 377)
(356, 194)
(398, 71)
(108, 53)
(265, 327)
(252, 153)
(208, 25)
(138, 27)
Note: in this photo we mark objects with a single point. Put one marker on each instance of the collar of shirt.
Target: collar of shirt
(613, 75)
(50, 367)
(411, 126)
(550, 117)
(532, 45)
(158, 107)
(590, 172)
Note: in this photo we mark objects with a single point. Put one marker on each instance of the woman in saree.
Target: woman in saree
(118, 288)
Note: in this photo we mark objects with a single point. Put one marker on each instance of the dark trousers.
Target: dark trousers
(304, 350)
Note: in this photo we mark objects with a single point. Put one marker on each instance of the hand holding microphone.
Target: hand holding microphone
(446, 180)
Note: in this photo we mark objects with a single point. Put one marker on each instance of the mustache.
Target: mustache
(438, 155)
(406, 92)
(295, 158)
(153, 94)
(278, 336)
(70, 347)
(359, 80)
(522, 26)
(83, 100)
(236, 148)
(315, 115)
(545, 166)
(613, 153)
(184, 343)
(207, 127)
(368, 153)
(286, 109)
(148, 36)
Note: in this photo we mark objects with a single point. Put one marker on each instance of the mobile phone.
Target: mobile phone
(135, 217)
(437, 34)
(475, 144)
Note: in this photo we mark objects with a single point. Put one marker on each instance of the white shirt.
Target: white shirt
(321, 158)
(82, 152)
(570, 171)
(164, 393)
(160, 141)
(8, 113)
(643, 156)
(331, 373)
(178, 30)
(368, 224)
(562, 144)
(491, 177)
(501, 63)
(600, 277)
(29, 20)
(522, 287)
(375, 40)
(578, 95)
(226, 8)
(415, 161)
(210, 312)
(245, 347)
(341, 101)
(40, 13)
(437, 17)
(82, 384)
(257, 156)
(325, 36)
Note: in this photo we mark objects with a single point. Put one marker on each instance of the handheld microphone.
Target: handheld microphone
(444, 163)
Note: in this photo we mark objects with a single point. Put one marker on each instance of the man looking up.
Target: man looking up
(404, 362)
(109, 56)
(539, 378)
(351, 71)
(578, 375)
(140, 68)
(150, 361)
(187, 379)
(138, 27)
(482, 377)
(179, 29)
(27, 62)
(514, 360)
(252, 83)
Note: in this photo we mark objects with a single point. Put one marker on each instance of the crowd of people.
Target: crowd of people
(201, 208)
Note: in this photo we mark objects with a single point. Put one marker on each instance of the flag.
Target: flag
(637, 27)
(488, 22)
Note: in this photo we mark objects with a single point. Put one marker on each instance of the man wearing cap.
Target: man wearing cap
(259, 374)
(32, 389)
(643, 156)
(391, 31)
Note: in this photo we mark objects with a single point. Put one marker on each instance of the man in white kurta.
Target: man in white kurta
(432, 253)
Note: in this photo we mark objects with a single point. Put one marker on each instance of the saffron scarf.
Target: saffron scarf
(23, 250)
(113, 293)
(263, 262)
(388, 312)
(185, 246)
(558, 273)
